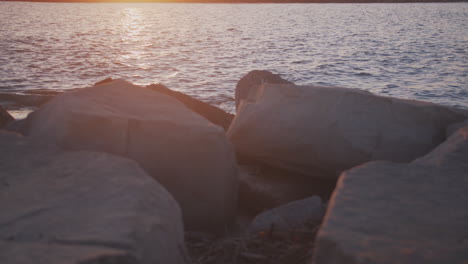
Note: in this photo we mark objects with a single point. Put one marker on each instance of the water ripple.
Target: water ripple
(416, 51)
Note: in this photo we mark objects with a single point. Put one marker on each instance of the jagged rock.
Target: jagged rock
(324, 130)
(212, 113)
(263, 187)
(253, 79)
(289, 217)
(82, 207)
(182, 150)
(107, 80)
(383, 212)
(5, 117)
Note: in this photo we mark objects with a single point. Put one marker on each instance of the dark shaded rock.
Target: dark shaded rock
(212, 113)
(5, 117)
(21, 126)
(255, 78)
(82, 207)
(454, 127)
(289, 217)
(182, 150)
(12, 252)
(32, 98)
(263, 187)
(384, 212)
(306, 129)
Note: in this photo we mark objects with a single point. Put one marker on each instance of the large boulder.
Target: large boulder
(324, 130)
(383, 212)
(253, 79)
(82, 207)
(186, 153)
(5, 117)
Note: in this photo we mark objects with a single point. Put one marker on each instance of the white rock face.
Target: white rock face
(183, 151)
(72, 207)
(308, 128)
(383, 212)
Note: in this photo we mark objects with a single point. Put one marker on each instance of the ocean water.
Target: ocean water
(415, 51)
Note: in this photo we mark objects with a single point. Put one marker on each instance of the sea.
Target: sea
(406, 50)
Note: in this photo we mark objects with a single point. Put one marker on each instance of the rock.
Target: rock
(48, 253)
(384, 212)
(183, 151)
(213, 114)
(5, 117)
(31, 98)
(81, 207)
(454, 127)
(289, 217)
(253, 79)
(21, 126)
(107, 80)
(262, 187)
(324, 130)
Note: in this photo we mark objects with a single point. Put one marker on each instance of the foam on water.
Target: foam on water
(416, 51)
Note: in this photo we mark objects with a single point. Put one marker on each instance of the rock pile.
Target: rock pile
(113, 173)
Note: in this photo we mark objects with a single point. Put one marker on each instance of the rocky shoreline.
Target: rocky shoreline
(119, 173)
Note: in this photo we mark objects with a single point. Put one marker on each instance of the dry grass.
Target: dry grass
(270, 247)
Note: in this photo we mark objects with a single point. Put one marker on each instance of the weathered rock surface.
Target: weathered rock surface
(5, 117)
(383, 212)
(82, 207)
(325, 130)
(289, 217)
(454, 127)
(263, 187)
(212, 113)
(187, 154)
(253, 79)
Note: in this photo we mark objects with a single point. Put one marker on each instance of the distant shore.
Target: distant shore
(242, 1)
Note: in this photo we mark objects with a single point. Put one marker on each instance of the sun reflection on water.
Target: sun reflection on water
(136, 38)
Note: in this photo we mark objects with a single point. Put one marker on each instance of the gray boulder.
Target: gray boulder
(383, 212)
(82, 207)
(262, 188)
(253, 79)
(5, 117)
(289, 217)
(324, 130)
(182, 150)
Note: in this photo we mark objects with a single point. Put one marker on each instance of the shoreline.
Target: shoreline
(246, 1)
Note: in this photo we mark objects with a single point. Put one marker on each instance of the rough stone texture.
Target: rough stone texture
(262, 188)
(253, 79)
(49, 253)
(79, 207)
(454, 127)
(182, 150)
(383, 212)
(212, 113)
(5, 117)
(288, 217)
(308, 129)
